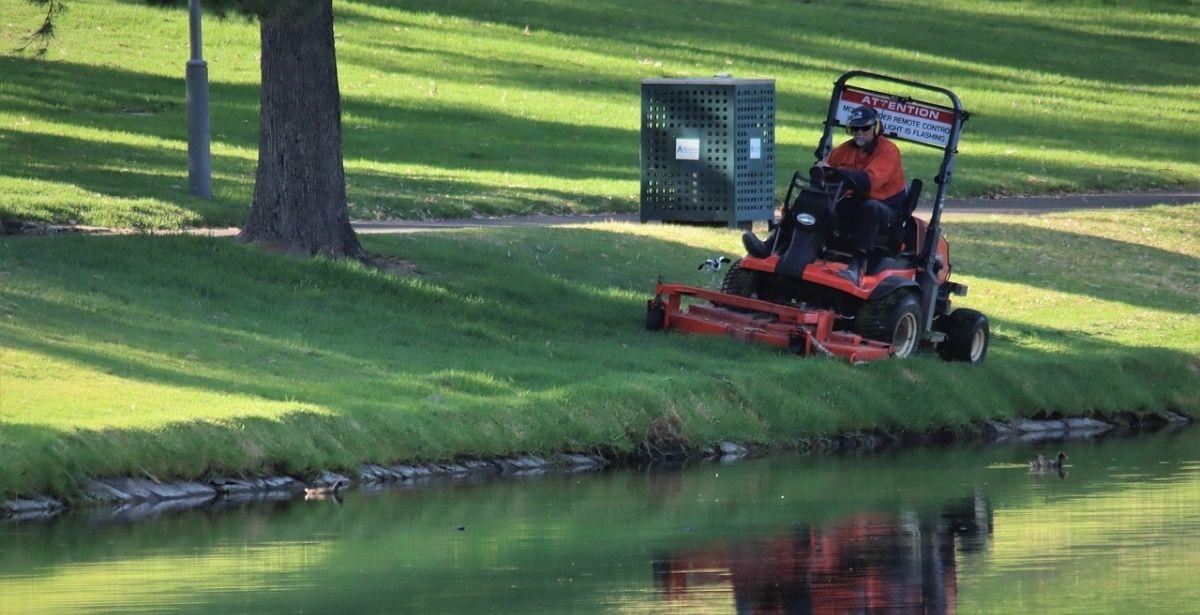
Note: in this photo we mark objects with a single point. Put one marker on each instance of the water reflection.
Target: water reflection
(865, 562)
(931, 530)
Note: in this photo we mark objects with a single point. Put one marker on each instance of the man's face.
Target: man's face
(864, 135)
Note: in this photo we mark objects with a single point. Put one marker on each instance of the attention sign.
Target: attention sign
(911, 120)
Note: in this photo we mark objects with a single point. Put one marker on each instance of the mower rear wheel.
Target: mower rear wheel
(967, 336)
(895, 319)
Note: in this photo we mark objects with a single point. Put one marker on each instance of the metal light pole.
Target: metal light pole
(199, 158)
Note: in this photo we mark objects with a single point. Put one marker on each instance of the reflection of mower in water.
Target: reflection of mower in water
(862, 563)
(790, 295)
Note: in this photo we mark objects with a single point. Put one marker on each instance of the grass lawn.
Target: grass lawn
(183, 356)
(477, 107)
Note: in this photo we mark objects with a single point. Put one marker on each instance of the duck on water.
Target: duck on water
(1041, 464)
(325, 492)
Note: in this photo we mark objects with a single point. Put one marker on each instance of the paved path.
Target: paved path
(1003, 205)
(1068, 202)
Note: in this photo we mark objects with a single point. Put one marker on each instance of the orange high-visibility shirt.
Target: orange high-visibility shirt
(880, 161)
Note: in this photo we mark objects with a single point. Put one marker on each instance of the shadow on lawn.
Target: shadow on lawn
(282, 310)
(504, 332)
(474, 140)
(509, 292)
(1085, 265)
(382, 196)
(957, 60)
(943, 36)
(463, 141)
(507, 72)
(118, 169)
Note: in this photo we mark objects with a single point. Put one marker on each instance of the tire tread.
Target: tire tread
(959, 327)
(873, 320)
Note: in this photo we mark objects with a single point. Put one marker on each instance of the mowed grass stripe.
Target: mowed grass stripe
(452, 110)
(187, 356)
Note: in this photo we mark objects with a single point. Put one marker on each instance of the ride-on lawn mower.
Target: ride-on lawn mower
(791, 296)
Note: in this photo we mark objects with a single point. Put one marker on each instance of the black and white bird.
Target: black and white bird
(713, 264)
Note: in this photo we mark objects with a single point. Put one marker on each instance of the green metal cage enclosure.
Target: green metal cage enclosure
(708, 150)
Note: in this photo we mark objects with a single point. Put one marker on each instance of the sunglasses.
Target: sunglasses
(862, 128)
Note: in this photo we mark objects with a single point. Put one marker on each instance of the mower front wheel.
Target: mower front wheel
(967, 336)
(738, 281)
(656, 315)
(895, 319)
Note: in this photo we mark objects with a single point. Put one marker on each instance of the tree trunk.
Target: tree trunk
(300, 190)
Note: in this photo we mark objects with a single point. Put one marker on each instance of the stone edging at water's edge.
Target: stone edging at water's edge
(129, 497)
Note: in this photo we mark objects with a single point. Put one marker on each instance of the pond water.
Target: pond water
(964, 528)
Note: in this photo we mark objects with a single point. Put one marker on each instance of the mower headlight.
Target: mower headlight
(806, 219)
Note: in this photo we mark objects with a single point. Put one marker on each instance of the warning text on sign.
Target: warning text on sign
(911, 121)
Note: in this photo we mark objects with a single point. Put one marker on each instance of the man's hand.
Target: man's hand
(819, 173)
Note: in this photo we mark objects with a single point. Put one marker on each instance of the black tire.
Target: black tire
(656, 315)
(967, 336)
(894, 318)
(738, 281)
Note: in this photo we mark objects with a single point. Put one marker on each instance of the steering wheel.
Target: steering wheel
(824, 175)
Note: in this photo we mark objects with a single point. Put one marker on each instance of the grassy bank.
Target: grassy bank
(220, 358)
(454, 109)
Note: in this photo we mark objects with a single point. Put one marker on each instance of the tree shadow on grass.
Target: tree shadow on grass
(113, 170)
(534, 339)
(465, 141)
(712, 31)
(434, 64)
(283, 311)
(439, 136)
(1085, 265)
(443, 351)
(468, 141)
(476, 140)
(384, 196)
(933, 32)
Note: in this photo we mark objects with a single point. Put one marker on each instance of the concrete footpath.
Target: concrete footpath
(1025, 205)
(984, 205)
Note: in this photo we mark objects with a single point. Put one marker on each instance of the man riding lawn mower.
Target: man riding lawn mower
(872, 162)
(848, 270)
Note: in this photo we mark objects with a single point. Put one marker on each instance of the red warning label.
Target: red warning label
(912, 121)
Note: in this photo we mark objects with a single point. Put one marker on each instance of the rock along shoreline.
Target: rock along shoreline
(130, 498)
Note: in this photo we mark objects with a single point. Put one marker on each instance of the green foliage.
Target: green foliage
(182, 356)
(481, 108)
(41, 37)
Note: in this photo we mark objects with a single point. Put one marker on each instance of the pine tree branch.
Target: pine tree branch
(45, 33)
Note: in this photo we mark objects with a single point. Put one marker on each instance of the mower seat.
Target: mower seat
(887, 243)
(902, 237)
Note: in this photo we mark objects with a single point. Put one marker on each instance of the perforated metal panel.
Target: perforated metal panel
(708, 150)
(756, 174)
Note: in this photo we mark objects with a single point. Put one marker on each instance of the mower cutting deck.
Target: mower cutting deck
(802, 331)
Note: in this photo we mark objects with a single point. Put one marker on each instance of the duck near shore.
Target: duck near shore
(321, 492)
(1040, 463)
